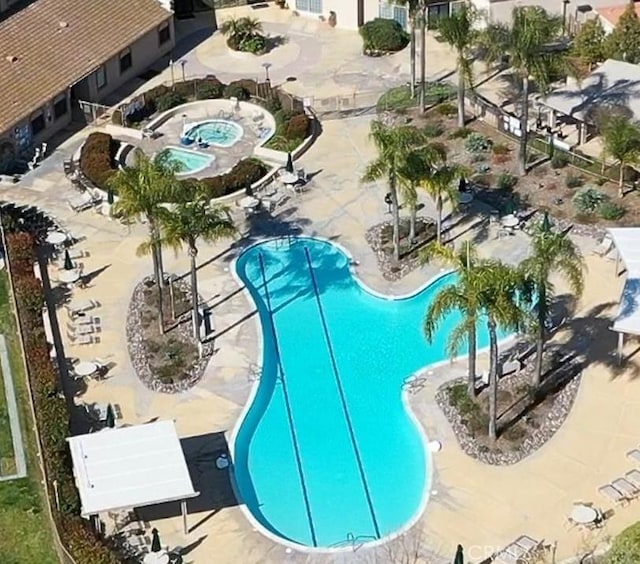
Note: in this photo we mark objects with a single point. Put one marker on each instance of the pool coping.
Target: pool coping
(405, 396)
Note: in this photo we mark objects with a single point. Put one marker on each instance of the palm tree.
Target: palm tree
(393, 145)
(500, 301)
(142, 190)
(440, 184)
(413, 9)
(532, 45)
(463, 296)
(458, 30)
(411, 173)
(621, 141)
(552, 252)
(186, 225)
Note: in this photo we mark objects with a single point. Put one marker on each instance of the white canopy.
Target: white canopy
(130, 467)
(627, 244)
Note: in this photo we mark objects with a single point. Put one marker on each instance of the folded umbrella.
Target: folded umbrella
(68, 263)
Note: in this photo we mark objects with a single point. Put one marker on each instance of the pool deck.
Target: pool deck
(480, 506)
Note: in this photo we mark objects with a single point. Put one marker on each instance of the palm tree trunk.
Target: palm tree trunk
(621, 181)
(412, 54)
(460, 96)
(524, 123)
(542, 334)
(160, 264)
(157, 273)
(471, 376)
(493, 380)
(395, 211)
(423, 58)
(413, 212)
(439, 220)
(195, 319)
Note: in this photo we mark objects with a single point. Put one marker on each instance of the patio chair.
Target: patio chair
(604, 247)
(613, 494)
(634, 455)
(87, 340)
(625, 487)
(633, 476)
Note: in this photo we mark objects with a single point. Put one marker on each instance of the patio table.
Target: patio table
(510, 220)
(465, 197)
(156, 558)
(85, 368)
(68, 276)
(56, 238)
(289, 177)
(249, 202)
(583, 514)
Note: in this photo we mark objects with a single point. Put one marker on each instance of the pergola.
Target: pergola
(130, 467)
(627, 244)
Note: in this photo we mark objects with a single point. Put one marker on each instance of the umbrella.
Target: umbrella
(462, 184)
(289, 166)
(459, 559)
(155, 541)
(110, 197)
(68, 263)
(110, 419)
(546, 225)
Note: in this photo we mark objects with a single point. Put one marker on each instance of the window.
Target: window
(437, 12)
(125, 60)
(164, 33)
(313, 6)
(60, 107)
(393, 12)
(37, 124)
(101, 76)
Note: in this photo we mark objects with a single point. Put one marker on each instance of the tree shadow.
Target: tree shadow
(273, 42)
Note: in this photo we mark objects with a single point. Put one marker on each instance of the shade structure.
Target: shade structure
(68, 263)
(289, 165)
(130, 467)
(459, 559)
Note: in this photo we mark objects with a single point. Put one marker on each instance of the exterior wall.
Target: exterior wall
(144, 52)
(346, 11)
(6, 4)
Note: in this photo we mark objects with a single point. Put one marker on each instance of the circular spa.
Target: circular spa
(214, 132)
(328, 454)
(187, 162)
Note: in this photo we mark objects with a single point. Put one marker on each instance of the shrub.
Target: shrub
(573, 181)
(97, 158)
(500, 149)
(460, 133)
(383, 35)
(249, 85)
(468, 409)
(559, 160)
(436, 92)
(297, 127)
(272, 104)
(587, 200)
(396, 99)
(169, 100)
(256, 44)
(433, 129)
(446, 109)
(506, 181)
(240, 177)
(625, 547)
(477, 143)
(209, 91)
(610, 210)
(236, 91)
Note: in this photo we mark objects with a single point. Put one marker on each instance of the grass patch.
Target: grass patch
(397, 99)
(26, 530)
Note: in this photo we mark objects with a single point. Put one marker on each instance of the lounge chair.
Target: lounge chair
(633, 476)
(604, 247)
(634, 455)
(613, 494)
(624, 486)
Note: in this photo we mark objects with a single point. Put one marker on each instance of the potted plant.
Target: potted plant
(281, 3)
(333, 19)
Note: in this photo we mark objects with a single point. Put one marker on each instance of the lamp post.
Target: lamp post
(173, 80)
(266, 67)
(565, 4)
(183, 63)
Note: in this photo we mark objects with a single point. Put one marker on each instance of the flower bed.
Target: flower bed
(52, 416)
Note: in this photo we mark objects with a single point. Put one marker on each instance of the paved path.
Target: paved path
(14, 417)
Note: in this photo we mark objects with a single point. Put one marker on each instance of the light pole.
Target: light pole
(565, 4)
(173, 80)
(266, 67)
(183, 63)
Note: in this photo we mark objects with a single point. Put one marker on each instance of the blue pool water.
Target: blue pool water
(327, 452)
(217, 132)
(188, 162)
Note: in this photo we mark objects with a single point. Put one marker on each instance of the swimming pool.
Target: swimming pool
(188, 162)
(217, 132)
(327, 454)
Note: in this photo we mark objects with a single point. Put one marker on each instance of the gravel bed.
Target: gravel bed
(138, 351)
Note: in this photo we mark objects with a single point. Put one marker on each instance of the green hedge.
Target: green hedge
(52, 417)
(381, 35)
(240, 177)
(97, 158)
(625, 548)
